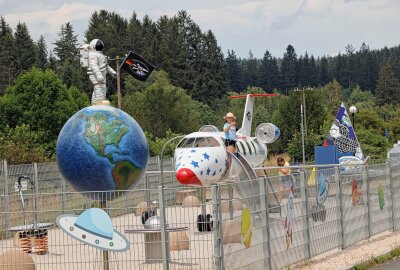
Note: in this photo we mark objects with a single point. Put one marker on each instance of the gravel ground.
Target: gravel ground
(360, 252)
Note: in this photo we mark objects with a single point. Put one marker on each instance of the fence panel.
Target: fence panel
(360, 202)
(324, 215)
(242, 249)
(3, 202)
(286, 249)
(354, 206)
(395, 178)
(380, 208)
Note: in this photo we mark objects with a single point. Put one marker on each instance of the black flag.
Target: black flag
(135, 65)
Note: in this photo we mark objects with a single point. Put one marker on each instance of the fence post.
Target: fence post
(218, 241)
(35, 190)
(303, 189)
(366, 177)
(389, 178)
(340, 193)
(230, 200)
(264, 213)
(147, 190)
(6, 208)
(63, 195)
(163, 228)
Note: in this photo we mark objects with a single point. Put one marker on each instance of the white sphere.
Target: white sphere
(353, 109)
(153, 223)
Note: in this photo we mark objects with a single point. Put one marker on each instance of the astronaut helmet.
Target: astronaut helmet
(96, 44)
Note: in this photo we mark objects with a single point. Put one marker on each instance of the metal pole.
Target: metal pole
(230, 202)
(118, 83)
(302, 135)
(337, 180)
(265, 229)
(389, 178)
(305, 113)
(366, 178)
(6, 208)
(35, 186)
(163, 228)
(203, 201)
(63, 197)
(218, 241)
(106, 260)
(303, 189)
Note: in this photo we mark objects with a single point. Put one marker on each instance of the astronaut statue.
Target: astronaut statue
(92, 58)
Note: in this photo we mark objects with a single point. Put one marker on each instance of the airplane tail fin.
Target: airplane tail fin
(245, 130)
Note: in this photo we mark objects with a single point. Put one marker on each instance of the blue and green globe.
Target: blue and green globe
(101, 148)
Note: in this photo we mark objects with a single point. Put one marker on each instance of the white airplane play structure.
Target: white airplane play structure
(202, 159)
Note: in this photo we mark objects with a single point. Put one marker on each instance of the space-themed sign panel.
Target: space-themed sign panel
(94, 227)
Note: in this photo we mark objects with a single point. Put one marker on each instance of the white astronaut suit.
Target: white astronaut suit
(97, 71)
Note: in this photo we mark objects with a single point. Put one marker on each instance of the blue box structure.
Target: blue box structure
(326, 154)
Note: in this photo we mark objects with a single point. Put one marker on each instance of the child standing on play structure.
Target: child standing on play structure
(284, 175)
(230, 132)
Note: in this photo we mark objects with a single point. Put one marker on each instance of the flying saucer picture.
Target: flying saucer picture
(289, 219)
(323, 189)
(94, 227)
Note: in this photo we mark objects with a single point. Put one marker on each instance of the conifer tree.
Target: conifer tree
(289, 68)
(323, 75)
(303, 75)
(312, 72)
(340, 69)
(250, 72)
(41, 54)
(209, 83)
(25, 50)
(133, 40)
(269, 73)
(66, 46)
(233, 74)
(350, 65)
(174, 56)
(388, 87)
(111, 29)
(394, 61)
(368, 69)
(8, 67)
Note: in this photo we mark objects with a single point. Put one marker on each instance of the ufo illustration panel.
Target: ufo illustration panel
(93, 227)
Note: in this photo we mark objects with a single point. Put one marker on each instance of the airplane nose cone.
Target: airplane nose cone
(187, 177)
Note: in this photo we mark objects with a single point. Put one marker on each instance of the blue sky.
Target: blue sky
(321, 27)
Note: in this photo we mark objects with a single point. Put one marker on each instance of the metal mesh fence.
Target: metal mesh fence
(255, 224)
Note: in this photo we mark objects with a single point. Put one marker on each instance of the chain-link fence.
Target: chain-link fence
(256, 224)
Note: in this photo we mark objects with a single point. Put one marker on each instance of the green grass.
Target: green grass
(374, 261)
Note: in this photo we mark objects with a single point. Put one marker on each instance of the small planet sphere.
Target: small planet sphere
(153, 223)
(102, 148)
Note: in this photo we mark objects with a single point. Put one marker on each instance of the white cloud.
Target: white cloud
(317, 26)
(50, 21)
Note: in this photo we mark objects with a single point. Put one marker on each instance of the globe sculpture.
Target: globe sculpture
(101, 148)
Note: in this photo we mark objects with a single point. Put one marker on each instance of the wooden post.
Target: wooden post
(118, 83)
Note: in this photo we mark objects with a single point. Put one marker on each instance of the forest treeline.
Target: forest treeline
(41, 89)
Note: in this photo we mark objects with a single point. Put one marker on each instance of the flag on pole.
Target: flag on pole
(137, 66)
